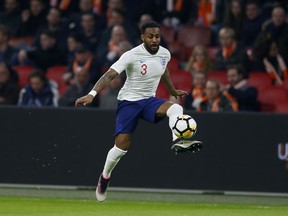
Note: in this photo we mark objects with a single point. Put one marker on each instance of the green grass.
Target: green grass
(31, 202)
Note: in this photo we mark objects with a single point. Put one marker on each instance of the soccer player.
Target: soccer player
(145, 65)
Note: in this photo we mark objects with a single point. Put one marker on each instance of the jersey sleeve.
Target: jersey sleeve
(122, 63)
(169, 56)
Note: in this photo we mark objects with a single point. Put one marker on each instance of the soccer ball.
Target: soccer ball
(185, 127)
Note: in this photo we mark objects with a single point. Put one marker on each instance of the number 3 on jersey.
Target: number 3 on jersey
(144, 69)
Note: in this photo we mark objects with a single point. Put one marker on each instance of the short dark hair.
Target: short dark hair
(76, 36)
(49, 33)
(119, 11)
(88, 14)
(149, 24)
(254, 2)
(40, 74)
(81, 48)
(237, 67)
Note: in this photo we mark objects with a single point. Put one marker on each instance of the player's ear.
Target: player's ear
(142, 37)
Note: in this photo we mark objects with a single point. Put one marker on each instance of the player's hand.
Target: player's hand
(180, 93)
(85, 100)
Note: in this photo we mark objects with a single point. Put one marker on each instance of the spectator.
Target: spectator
(7, 52)
(252, 23)
(118, 19)
(144, 18)
(81, 86)
(39, 92)
(269, 59)
(108, 99)
(83, 60)
(171, 13)
(215, 101)
(239, 88)
(111, 52)
(276, 29)
(206, 14)
(199, 60)
(9, 90)
(193, 100)
(234, 17)
(73, 41)
(11, 17)
(136, 9)
(69, 7)
(118, 44)
(85, 6)
(54, 24)
(33, 18)
(230, 52)
(47, 56)
(111, 6)
(89, 32)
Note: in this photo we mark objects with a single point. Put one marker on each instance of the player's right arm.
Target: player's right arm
(100, 84)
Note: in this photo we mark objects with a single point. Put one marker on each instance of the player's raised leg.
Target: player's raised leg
(179, 145)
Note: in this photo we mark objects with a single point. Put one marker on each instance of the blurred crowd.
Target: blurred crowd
(232, 55)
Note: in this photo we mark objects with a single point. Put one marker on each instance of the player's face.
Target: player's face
(151, 39)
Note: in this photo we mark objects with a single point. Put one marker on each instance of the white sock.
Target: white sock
(112, 159)
(174, 111)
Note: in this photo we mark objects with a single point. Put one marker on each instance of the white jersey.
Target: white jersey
(143, 71)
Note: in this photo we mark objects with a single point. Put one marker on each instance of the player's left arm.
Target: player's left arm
(170, 87)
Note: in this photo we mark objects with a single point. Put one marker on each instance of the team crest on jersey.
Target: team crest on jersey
(163, 61)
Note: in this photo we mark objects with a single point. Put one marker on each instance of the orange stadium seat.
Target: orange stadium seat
(168, 33)
(20, 42)
(23, 74)
(270, 97)
(178, 50)
(162, 92)
(56, 73)
(187, 37)
(220, 76)
(282, 107)
(173, 64)
(285, 84)
(182, 79)
(260, 80)
(193, 35)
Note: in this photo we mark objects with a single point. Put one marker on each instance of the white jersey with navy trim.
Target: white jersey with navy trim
(143, 72)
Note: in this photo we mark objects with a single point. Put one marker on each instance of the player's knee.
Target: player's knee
(175, 109)
(123, 142)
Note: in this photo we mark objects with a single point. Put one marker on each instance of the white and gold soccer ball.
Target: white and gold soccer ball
(185, 127)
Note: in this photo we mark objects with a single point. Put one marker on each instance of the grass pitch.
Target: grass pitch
(44, 202)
